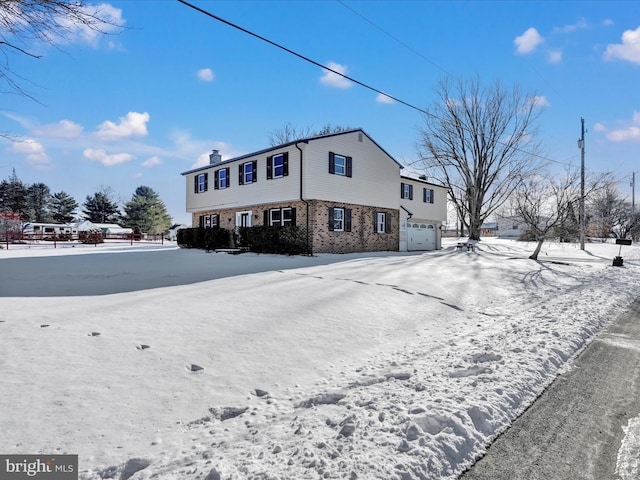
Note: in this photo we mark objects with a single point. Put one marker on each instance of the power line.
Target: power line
(362, 84)
(306, 59)
(393, 37)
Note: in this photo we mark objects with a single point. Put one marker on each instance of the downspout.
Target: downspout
(302, 196)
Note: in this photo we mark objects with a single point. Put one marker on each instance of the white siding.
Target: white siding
(282, 189)
(374, 178)
(436, 211)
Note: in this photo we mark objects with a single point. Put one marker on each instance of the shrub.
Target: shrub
(204, 238)
(280, 240)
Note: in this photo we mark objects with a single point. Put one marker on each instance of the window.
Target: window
(200, 183)
(278, 166)
(339, 219)
(280, 217)
(406, 191)
(427, 196)
(382, 222)
(340, 164)
(221, 179)
(209, 221)
(247, 173)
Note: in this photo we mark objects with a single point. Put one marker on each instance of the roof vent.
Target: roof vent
(215, 157)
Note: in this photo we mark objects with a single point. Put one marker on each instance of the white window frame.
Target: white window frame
(406, 189)
(278, 165)
(428, 195)
(381, 222)
(223, 180)
(247, 172)
(340, 164)
(201, 183)
(275, 217)
(338, 219)
(287, 221)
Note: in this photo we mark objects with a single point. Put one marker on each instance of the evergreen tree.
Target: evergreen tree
(101, 207)
(13, 196)
(146, 212)
(38, 200)
(63, 206)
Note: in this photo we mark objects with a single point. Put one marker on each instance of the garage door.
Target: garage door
(421, 236)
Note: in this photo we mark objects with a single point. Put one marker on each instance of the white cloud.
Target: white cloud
(113, 22)
(152, 162)
(133, 125)
(579, 25)
(555, 56)
(528, 41)
(599, 127)
(628, 50)
(206, 75)
(631, 132)
(540, 101)
(607, 22)
(106, 159)
(382, 98)
(331, 79)
(62, 129)
(34, 152)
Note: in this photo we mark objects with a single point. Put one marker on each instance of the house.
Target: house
(343, 188)
(108, 229)
(510, 226)
(172, 233)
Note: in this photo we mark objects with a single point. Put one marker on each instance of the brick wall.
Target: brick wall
(361, 238)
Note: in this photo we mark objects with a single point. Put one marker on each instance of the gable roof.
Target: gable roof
(288, 144)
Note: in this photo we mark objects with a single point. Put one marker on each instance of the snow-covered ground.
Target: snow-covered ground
(385, 366)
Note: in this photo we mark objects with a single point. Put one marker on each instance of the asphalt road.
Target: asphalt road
(574, 430)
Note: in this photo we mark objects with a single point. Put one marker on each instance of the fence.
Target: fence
(84, 238)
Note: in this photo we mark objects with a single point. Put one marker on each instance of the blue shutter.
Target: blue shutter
(347, 219)
(254, 171)
(195, 184)
(410, 192)
(387, 222)
(331, 219)
(270, 167)
(349, 162)
(216, 180)
(241, 174)
(206, 180)
(285, 164)
(332, 162)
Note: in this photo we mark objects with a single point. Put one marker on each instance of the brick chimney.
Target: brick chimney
(215, 157)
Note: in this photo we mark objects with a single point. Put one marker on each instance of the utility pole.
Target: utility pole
(633, 194)
(582, 219)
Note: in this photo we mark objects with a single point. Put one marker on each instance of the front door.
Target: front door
(243, 219)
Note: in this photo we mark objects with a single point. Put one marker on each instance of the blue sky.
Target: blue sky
(141, 106)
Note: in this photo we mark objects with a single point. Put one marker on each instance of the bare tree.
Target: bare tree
(547, 205)
(289, 133)
(610, 213)
(24, 24)
(480, 142)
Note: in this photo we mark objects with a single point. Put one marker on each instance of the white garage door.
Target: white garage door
(421, 236)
